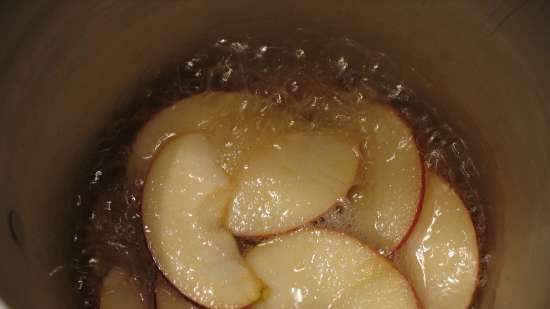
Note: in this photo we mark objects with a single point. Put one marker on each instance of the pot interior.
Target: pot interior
(68, 65)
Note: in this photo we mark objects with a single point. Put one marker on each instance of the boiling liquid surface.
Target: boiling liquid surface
(322, 83)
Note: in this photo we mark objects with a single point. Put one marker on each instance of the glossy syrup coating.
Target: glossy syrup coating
(184, 199)
(387, 199)
(441, 257)
(290, 181)
(318, 268)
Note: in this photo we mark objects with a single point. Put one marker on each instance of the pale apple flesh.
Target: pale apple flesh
(232, 121)
(386, 290)
(291, 181)
(316, 268)
(199, 113)
(168, 297)
(388, 197)
(441, 257)
(184, 199)
(119, 290)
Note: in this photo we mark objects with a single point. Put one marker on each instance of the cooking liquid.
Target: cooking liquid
(324, 82)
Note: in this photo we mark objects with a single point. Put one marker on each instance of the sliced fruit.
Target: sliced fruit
(254, 126)
(209, 112)
(120, 291)
(184, 198)
(324, 269)
(388, 290)
(441, 257)
(389, 196)
(291, 181)
(233, 122)
(167, 297)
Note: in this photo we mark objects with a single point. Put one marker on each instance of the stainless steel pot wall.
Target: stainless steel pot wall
(66, 65)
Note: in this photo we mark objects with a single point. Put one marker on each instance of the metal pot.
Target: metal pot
(66, 65)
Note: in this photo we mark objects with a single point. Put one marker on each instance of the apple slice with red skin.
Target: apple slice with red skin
(317, 268)
(184, 199)
(290, 181)
(168, 297)
(388, 197)
(441, 257)
(119, 290)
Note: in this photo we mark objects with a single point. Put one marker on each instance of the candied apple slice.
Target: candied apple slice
(441, 257)
(184, 198)
(313, 269)
(291, 181)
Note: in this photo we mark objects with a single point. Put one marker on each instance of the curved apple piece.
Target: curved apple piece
(167, 297)
(233, 121)
(441, 257)
(291, 181)
(212, 113)
(184, 199)
(389, 196)
(119, 291)
(312, 269)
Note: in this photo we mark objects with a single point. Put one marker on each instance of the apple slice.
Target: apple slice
(389, 196)
(291, 181)
(184, 198)
(441, 257)
(313, 269)
(209, 112)
(120, 291)
(167, 297)
(234, 122)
